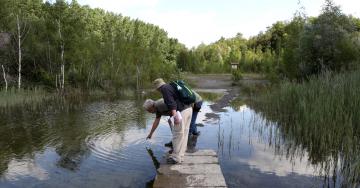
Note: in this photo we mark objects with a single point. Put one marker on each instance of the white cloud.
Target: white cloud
(313, 8)
(349, 6)
(189, 27)
(265, 161)
(22, 168)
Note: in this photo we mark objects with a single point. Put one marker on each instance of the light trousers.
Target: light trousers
(180, 135)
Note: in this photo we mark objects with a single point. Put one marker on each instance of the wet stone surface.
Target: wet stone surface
(200, 169)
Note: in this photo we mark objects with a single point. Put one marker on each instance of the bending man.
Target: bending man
(180, 128)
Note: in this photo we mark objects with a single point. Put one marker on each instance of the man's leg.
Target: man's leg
(180, 135)
(169, 144)
(186, 114)
(177, 132)
(193, 128)
(196, 109)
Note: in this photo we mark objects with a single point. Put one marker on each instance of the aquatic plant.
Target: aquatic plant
(322, 117)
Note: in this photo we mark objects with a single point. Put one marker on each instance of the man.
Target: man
(196, 109)
(180, 128)
(159, 108)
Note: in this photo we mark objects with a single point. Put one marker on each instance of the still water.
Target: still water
(102, 144)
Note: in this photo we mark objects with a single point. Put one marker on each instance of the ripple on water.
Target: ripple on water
(118, 150)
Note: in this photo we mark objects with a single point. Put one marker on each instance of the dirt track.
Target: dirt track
(216, 83)
(210, 81)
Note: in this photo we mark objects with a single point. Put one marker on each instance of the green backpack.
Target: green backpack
(186, 95)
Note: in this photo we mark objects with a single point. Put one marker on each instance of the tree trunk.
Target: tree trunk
(137, 77)
(62, 72)
(62, 68)
(49, 57)
(19, 50)
(6, 83)
(56, 82)
(112, 49)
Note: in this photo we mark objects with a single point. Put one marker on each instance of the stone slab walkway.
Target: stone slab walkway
(199, 169)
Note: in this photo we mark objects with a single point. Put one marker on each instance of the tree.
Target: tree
(327, 43)
(5, 80)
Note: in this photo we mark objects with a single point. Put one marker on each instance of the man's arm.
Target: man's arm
(176, 120)
(170, 103)
(154, 126)
(168, 98)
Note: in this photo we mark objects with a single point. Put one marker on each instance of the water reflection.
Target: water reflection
(25, 168)
(333, 149)
(53, 147)
(247, 154)
(102, 144)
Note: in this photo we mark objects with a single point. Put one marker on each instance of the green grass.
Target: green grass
(14, 97)
(208, 96)
(321, 116)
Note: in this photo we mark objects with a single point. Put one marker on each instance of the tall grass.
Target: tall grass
(321, 116)
(14, 97)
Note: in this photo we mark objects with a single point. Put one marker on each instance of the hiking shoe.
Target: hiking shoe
(171, 161)
(170, 145)
(196, 133)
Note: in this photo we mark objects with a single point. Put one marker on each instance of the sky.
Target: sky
(194, 22)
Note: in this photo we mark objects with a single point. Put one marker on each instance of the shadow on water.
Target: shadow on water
(156, 163)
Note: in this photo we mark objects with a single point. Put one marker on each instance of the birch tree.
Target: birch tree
(62, 52)
(5, 80)
(19, 37)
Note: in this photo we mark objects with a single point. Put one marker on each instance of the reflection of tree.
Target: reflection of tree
(26, 130)
(21, 136)
(140, 118)
(237, 103)
(71, 132)
(65, 128)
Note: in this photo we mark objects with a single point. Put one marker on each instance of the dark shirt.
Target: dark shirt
(161, 108)
(171, 98)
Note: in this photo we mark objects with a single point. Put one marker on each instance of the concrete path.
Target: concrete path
(199, 169)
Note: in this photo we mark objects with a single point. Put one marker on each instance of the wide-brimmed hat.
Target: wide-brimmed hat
(158, 83)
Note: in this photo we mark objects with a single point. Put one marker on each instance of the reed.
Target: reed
(15, 97)
(321, 116)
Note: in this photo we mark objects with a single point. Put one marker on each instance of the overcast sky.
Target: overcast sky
(204, 21)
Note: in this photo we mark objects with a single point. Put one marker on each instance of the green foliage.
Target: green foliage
(326, 42)
(102, 49)
(236, 75)
(296, 49)
(213, 58)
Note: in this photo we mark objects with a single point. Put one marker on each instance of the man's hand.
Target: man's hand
(176, 120)
(148, 137)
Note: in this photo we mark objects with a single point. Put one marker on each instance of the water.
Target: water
(102, 144)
